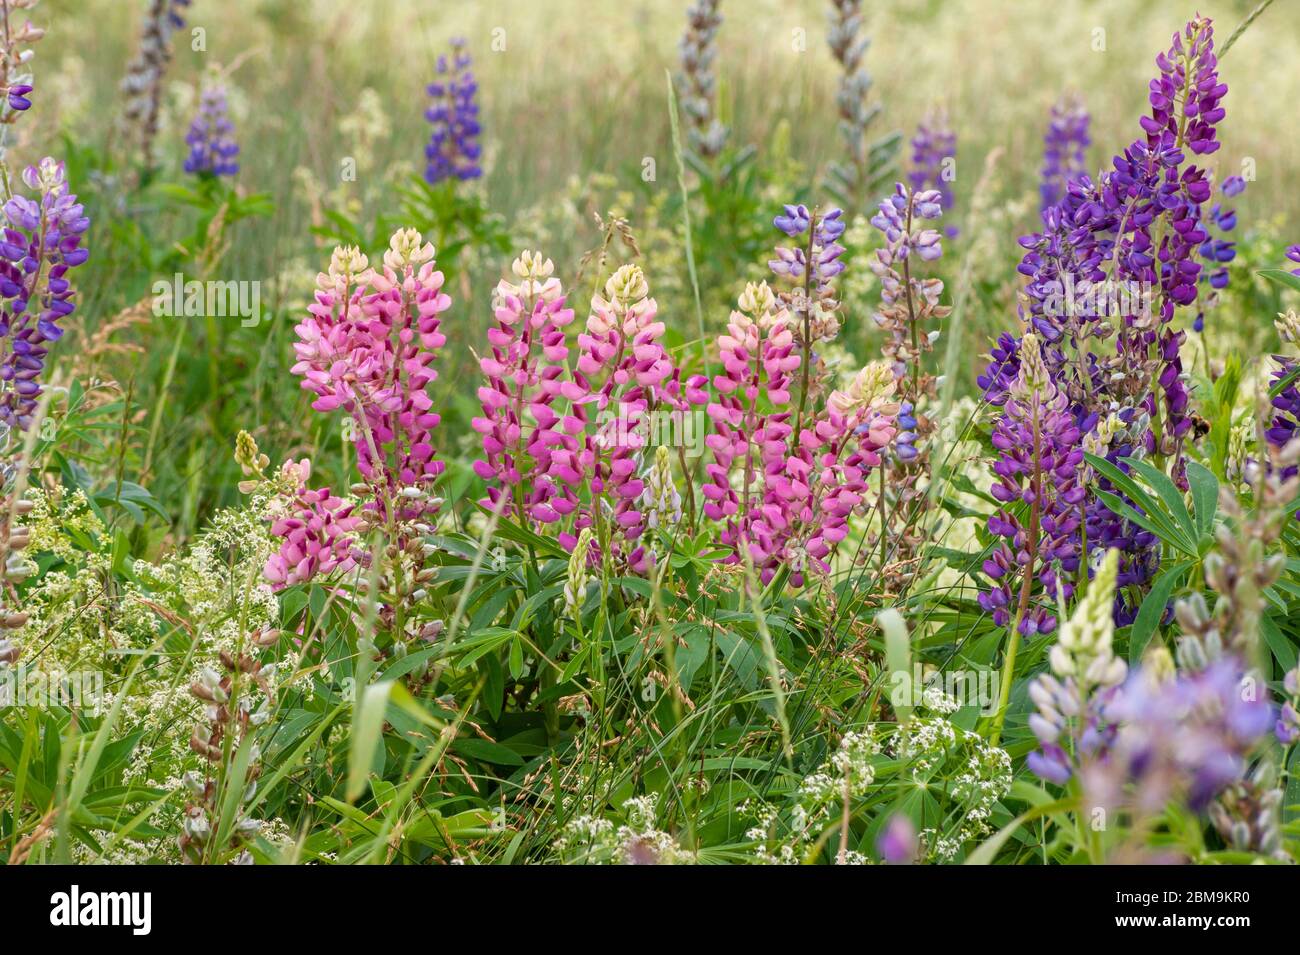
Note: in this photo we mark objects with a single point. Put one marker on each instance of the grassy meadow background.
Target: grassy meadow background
(571, 108)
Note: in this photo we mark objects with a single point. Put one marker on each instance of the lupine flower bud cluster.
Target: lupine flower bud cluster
(14, 538)
(1248, 815)
(1288, 721)
(696, 83)
(1065, 149)
(211, 137)
(1038, 465)
(231, 711)
(1084, 675)
(143, 85)
(453, 151)
(868, 161)
(40, 244)
(1244, 564)
(578, 577)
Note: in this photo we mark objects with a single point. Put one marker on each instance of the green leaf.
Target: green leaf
(1285, 382)
(898, 652)
(1128, 512)
(1283, 650)
(367, 725)
(1171, 497)
(1153, 609)
(1205, 496)
(1282, 277)
(1155, 520)
(487, 751)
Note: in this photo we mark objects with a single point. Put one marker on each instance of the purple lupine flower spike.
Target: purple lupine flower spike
(934, 148)
(211, 136)
(1065, 149)
(453, 150)
(15, 74)
(39, 244)
(1038, 465)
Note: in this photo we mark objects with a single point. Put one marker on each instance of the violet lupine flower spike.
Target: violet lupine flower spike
(909, 303)
(811, 266)
(15, 75)
(1184, 737)
(40, 244)
(909, 307)
(1122, 253)
(870, 162)
(934, 154)
(143, 85)
(1065, 149)
(696, 83)
(1185, 109)
(453, 151)
(211, 137)
(1038, 466)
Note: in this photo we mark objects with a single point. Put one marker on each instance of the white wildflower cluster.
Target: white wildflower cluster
(593, 840)
(935, 699)
(848, 773)
(961, 770)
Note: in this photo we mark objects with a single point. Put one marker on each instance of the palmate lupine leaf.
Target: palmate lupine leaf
(1153, 609)
(1146, 511)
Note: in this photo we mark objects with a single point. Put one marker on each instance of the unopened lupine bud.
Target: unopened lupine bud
(575, 585)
